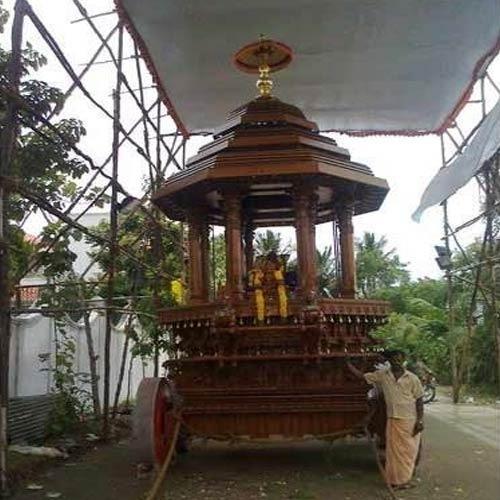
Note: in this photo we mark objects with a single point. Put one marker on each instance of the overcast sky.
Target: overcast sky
(408, 164)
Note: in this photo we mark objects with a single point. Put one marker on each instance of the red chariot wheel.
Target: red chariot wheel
(154, 421)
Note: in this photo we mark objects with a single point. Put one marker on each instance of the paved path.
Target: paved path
(461, 461)
(462, 457)
(480, 422)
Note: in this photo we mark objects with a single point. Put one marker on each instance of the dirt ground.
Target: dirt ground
(456, 465)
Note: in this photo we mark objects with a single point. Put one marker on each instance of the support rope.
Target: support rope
(160, 477)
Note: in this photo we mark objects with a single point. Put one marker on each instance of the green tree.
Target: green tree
(141, 276)
(473, 311)
(327, 275)
(22, 251)
(271, 241)
(45, 165)
(68, 295)
(418, 323)
(43, 159)
(376, 266)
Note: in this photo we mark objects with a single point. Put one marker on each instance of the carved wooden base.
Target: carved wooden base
(282, 377)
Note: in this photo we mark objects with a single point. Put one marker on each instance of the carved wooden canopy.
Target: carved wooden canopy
(265, 150)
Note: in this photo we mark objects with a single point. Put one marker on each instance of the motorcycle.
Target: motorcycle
(429, 383)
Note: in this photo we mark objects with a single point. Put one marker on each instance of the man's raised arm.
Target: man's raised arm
(354, 370)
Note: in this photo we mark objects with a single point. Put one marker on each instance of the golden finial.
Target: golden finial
(263, 57)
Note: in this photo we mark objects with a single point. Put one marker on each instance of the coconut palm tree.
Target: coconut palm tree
(271, 241)
(327, 276)
(376, 266)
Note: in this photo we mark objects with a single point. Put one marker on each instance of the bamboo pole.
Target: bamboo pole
(16, 101)
(59, 54)
(85, 70)
(156, 241)
(123, 77)
(490, 178)
(113, 250)
(123, 362)
(145, 130)
(449, 289)
(94, 377)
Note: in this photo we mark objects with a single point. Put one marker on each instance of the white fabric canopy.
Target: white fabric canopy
(389, 66)
(450, 179)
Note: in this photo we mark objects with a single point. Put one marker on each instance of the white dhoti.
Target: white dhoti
(401, 450)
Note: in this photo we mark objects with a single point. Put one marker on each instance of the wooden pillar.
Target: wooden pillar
(249, 252)
(198, 257)
(205, 259)
(234, 257)
(306, 244)
(337, 255)
(348, 287)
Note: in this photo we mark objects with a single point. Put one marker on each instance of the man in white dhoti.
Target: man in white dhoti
(403, 393)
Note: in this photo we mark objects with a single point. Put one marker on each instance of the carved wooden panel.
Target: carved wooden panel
(286, 376)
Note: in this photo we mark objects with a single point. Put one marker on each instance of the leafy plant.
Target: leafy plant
(43, 160)
(72, 402)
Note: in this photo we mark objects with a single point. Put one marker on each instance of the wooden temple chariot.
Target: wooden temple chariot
(230, 372)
